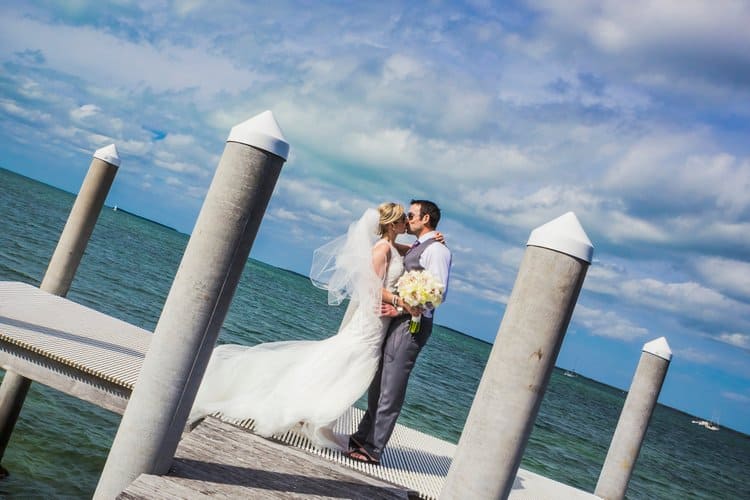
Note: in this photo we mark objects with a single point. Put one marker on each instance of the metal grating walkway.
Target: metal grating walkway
(413, 459)
(75, 349)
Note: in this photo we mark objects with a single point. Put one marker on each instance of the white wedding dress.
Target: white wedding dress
(312, 383)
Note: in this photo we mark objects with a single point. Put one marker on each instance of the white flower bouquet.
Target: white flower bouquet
(419, 288)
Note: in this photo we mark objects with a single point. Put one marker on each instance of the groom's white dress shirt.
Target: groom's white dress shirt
(437, 259)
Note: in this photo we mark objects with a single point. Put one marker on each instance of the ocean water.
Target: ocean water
(60, 443)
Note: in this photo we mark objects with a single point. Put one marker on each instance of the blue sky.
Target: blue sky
(634, 115)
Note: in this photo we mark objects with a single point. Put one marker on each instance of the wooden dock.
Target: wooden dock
(95, 357)
(218, 459)
(414, 461)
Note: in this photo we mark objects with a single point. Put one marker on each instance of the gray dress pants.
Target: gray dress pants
(387, 391)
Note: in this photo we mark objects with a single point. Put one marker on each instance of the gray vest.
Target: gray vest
(411, 263)
(411, 259)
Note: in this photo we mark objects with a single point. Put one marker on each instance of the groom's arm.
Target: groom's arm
(403, 248)
(438, 259)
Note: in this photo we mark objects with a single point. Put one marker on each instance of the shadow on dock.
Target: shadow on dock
(218, 459)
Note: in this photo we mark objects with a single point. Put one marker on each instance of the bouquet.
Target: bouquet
(419, 288)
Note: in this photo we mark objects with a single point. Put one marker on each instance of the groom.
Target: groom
(401, 348)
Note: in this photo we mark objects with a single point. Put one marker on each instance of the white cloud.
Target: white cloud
(607, 324)
(729, 275)
(30, 88)
(178, 140)
(177, 166)
(688, 299)
(736, 339)
(695, 355)
(185, 7)
(621, 227)
(32, 115)
(133, 147)
(665, 170)
(85, 111)
(82, 50)
(601, 277)
(672, 38)
(284, 214)
(173, 181)
(400, 67)
(459, 287)
(735, 396)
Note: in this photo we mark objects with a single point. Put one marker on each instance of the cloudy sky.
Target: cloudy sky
(634, 115)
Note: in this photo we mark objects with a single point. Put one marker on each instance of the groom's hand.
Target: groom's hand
(414, 311)
(388, 310)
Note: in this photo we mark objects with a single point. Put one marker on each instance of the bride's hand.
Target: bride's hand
(388, 310)
(440, 237)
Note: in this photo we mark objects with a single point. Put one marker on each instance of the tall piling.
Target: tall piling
(80, 224)
(62, 268)
(510, 392)
(197, 304)
(633, 423)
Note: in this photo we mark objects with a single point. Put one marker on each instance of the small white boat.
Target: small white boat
(707, 424)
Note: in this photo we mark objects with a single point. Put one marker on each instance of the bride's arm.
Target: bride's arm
(381, 255)
(403, 248)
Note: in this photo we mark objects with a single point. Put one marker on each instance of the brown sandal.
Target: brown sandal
(361, 455)
(354, 444)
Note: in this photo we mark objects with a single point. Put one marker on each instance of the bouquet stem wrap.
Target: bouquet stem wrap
(419, 288)
(415, 324)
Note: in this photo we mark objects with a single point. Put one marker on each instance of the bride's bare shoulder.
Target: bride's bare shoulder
(384, 247)
(381, 246)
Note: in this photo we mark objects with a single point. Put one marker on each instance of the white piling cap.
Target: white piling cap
(108, 154)
(565, 235)
(262, 132)
(658, 347)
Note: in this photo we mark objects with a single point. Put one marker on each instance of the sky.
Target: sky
(633, 115)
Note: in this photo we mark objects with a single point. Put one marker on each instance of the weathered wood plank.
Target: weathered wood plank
(220, 460)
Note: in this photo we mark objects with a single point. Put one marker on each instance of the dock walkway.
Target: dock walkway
(69, 347)
(219, 460)
(95, 357)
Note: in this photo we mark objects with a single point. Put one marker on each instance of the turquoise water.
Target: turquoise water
(60, 443)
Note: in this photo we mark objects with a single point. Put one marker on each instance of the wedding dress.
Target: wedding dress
(312, 383)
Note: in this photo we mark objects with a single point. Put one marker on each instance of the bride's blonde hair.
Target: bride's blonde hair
(389, 213)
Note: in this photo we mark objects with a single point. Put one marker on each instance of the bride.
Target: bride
(281, 384)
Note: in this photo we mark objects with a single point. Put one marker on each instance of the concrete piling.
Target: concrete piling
(81, 221)
(633, 423)
(510, 392)
(197, 304)
(62, 268)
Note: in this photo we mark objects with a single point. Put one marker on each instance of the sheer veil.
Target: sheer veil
(343, 266)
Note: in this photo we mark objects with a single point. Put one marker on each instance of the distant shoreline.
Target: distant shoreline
(116, 208)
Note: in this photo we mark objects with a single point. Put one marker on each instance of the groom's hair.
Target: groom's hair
(427, 207)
